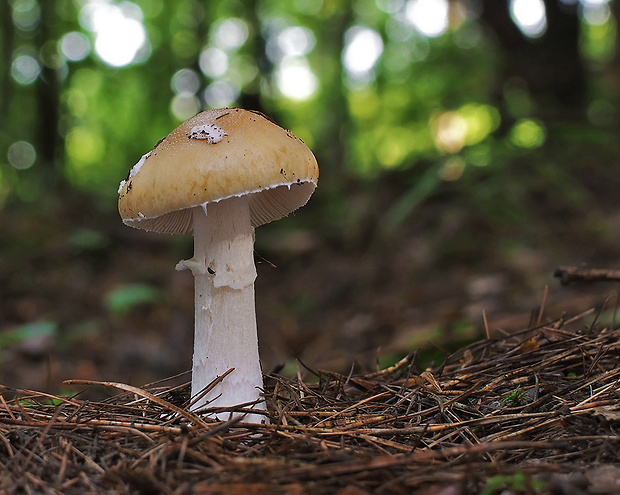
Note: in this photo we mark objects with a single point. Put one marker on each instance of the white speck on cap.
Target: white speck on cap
(134, 171)
(211, 133)
(136, 168)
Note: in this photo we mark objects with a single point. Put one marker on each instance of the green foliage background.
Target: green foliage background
(454, 114)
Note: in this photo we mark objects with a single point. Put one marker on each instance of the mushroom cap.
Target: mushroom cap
(216, 155)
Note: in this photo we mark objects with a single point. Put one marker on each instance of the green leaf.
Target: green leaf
(88, 239)
(27, 332)
(121, 301)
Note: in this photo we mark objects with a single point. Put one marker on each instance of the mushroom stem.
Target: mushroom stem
(225, 319)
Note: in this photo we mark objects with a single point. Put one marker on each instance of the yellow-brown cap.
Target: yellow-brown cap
(216, 155)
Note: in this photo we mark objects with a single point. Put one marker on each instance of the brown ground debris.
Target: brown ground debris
(536, 411)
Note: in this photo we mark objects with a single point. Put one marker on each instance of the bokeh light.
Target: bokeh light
(25, 69)
(292, 41)
(596, 14)
(185, 82)
(295, 79)
(213, 62)
(449, 131)
(74, 46)
(26, 14)
(530, 16)
(469, 125)
(230, 33)
(527, 133)
(362, 50)
(221, 94)
(428, 17)
(287, 48)
(184, 106)
(21, 155)
(120, 37)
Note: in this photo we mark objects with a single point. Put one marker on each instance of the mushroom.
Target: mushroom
(218, 176)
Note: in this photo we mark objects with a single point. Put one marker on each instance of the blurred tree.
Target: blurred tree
(550, 65)
(47, 93)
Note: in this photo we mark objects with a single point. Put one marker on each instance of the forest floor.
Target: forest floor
(85, 298)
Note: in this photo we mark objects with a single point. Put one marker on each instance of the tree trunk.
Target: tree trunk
(550, 65)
